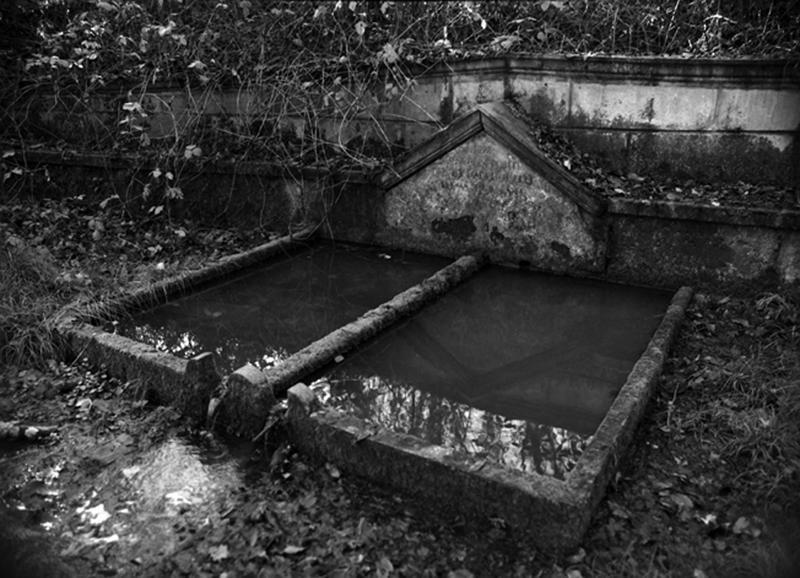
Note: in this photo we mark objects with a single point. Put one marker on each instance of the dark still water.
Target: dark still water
(270, 312)
(513, 367)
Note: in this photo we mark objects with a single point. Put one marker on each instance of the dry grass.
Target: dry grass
(29, 296)
(750, 411)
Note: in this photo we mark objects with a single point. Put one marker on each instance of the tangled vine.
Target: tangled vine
(161, 78)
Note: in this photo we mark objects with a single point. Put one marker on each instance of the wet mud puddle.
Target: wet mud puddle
(513, 367)
(267, 314)
(134, 512)
(181, 479)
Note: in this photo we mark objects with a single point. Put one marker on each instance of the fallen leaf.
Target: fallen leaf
(97, 515)
(218, 553)
(741, 525)
(707, 519)
(384, 567)
(333, 471)
(308, 501)
(84, 404)
(618, 511)
(130, 472)
(478, 465)
(112, 539)
(578, 557)
(683, 501)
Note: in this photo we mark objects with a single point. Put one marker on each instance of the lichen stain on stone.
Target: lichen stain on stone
(460, 228)
(496, 236)
(542, 108)
(482, 196)
(704, 253)
(647, 112)
(561, 250)
(722, 157)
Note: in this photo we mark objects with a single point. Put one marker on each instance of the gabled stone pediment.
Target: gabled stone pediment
(482, 184)
(496, 120)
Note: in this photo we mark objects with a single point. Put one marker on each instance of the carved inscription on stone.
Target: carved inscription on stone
(481, 196)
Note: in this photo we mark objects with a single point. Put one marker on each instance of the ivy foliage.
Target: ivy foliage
(88, 74)
(241, 40)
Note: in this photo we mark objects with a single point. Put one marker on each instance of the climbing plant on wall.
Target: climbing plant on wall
(89, 74)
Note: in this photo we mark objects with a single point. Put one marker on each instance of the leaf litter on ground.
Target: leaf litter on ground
(699, 503)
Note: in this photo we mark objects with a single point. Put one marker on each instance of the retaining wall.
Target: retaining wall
(665, 244)
(661, 244)
(722, 120)
(223, 193)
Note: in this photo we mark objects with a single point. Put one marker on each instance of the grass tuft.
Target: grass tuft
(30, 295)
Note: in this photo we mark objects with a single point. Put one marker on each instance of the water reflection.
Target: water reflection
(515, 368)
(512, 443)
(180, 478)
(263, 316)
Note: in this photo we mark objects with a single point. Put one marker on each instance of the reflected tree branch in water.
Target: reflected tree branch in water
(519, 444)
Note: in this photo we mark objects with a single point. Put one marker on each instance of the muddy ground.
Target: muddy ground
(709, 488)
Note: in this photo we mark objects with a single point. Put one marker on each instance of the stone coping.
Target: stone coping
(728, 215)
(554, 514)
(161, 291)
(741, 70)
(164, 378)
(760, 71)
(252, 391)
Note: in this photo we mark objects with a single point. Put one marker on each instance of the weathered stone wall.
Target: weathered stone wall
(665, 244)
(725, 120)
(481, 197)
(650, 243)
(661, 244)
(224, 193)
(482, 185)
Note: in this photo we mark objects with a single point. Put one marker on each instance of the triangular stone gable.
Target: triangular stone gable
(482, 184)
